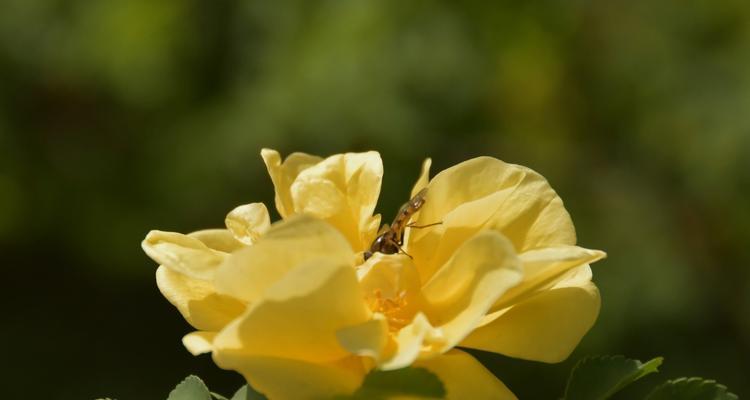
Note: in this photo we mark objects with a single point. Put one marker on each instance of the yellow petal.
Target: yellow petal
(283, 174)
(543, 268)
(392, 289)
(182, 253)
(368, 339)
(577, 276)
(197, 300)
(424, 177)
(217, 239)
(484, 193)
(199, 342)
(422, 181)
(247, 222)
(247, 273)
(419, 338)
(465, 378)
(298, 316)
(342, 190)
(389, 276)
(461, 292)
(283, 379)
(546, 327)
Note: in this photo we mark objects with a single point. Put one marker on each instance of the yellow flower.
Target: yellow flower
(293, 307)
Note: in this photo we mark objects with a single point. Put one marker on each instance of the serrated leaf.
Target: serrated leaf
(248, 393)
(599, 377)
(691, 389)
(191, 388)
(411, 382)
(217, 396)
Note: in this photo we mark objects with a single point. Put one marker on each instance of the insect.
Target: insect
(391, 238)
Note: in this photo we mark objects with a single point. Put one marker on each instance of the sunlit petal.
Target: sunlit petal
(413, 340)
(422, 181)
(199, 342)
(461, 292)
(283, 174)
(392, 276)
(544, 267)
(298, 316)
(465, 378)
(546, 327)
(484, 193)
(282, 379)
(218, 239)
(182, 253)
(342, 190)
(197, 300)
(249, 272)
(368, 339)
(247, 222)
(424, 177)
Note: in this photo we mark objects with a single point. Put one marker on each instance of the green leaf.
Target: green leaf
(248, 393)
(191, 388)
(599, 377)
(691, 389)
(217, 396)
(413, 382)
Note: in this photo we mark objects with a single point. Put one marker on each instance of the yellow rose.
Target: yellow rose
(293, 307)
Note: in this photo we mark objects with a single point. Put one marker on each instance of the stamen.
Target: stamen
(391, 308)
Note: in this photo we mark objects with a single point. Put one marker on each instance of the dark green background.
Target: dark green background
(121, 116)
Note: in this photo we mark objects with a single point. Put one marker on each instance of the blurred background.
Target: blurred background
(121, 116)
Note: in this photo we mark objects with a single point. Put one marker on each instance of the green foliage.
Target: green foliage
(413, 382)
(691, 389)
(247, 393)
(592, 378)
(599, 377)
(191, 388)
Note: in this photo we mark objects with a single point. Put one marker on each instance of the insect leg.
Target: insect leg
(412, 225)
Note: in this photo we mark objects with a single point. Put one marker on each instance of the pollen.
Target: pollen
(392, 308)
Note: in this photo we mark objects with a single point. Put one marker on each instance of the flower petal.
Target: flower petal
(197, 300)
(283, 379)
(546, 327)
(368, 339)
(543, 268)
(199, 342)
(182, 253)
(412, 341)
(342, 190)
(422, 181)
(461, 292)
(247, 222)
(218, 239)
(247, 273)
(484, 193)
(283, 174)
(298, 316)
(465, 378)
(392, 276)
(424, 177)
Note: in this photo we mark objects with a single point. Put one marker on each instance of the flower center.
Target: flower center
(395, 309)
